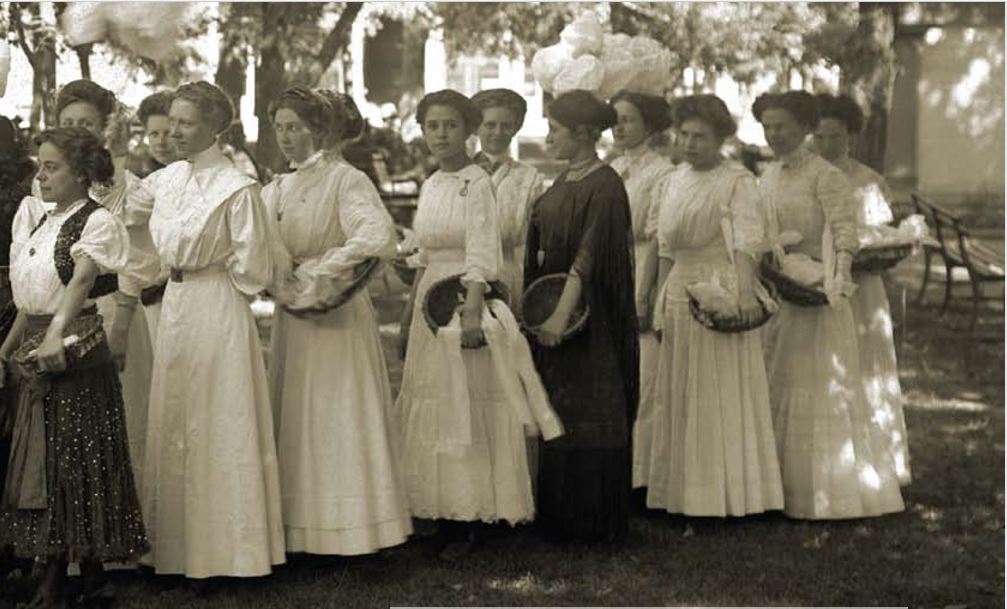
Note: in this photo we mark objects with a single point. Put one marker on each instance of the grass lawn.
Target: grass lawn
(946, 549)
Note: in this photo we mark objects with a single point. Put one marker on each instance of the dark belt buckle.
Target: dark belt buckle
(176, 275)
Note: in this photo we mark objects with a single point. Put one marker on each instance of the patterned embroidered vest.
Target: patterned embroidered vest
(69, 234)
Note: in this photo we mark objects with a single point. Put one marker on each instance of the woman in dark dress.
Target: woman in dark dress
(581, 226)
(69, 494)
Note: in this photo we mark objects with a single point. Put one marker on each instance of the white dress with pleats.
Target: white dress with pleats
(713, 452)
(833, 455)
(339, 476)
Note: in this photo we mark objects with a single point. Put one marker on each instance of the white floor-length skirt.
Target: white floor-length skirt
(649, 354)
(712, 448)
(339, 475)
(489, 479)
(833, 456)
(135, 378)
(211, 496)
(879, 367)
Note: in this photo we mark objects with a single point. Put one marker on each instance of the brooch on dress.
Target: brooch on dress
(465, 189)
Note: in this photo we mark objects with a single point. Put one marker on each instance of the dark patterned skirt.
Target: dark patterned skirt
(91, 510)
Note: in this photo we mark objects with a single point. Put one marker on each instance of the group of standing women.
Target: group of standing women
(233, 467)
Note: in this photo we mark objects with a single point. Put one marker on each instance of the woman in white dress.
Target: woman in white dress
(341, 487)
(83, 103)
(839, 120)
(833, 456)
(713, 452)
(211, 497)
(515, 184)
(483, 477)
(643, 170)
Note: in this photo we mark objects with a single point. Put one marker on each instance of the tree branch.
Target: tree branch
(339, 36)
(22, 38)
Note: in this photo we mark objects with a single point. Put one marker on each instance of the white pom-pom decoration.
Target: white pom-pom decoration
(655, 62)
(620, 65)
(150, 29)
(584, 35)
(84, 22)
(586, 72)
(548, 62)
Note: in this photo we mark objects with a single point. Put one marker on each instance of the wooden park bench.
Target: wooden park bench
(952, 242)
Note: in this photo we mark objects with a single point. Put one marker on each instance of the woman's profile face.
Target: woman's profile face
(630, 131)
(57, 180)
(561, 142)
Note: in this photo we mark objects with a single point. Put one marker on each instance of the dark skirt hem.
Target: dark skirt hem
(584, 494)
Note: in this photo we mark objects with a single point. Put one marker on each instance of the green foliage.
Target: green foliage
(506, 28)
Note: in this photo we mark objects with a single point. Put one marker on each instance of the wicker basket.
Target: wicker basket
(540, 300)
(879, 259)
(788, 289)
(362, 275)
(445, 297)
(80, 336)
(731, 325)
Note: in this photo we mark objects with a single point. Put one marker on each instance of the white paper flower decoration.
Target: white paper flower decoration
(586, 72)
(584, 35)
(549, 62)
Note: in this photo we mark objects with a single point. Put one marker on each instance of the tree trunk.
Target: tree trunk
(233, 57)
(84, 58)
(44, 82)
(869, 77)
(269, 82)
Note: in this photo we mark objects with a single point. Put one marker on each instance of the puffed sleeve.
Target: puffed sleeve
(369, 234)
(29, 213)
(655, 193)
(748, 220)
(483, 250)
(105, 241)
(839, 206)
(144, 266)
(251, 261)
(139, 199)
(660, 194)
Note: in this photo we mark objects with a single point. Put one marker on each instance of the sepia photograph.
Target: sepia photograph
(502, 304)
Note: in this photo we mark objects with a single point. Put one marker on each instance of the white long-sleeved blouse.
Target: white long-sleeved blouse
(203, 212)
(329, 218)
(457, 216)
(35, 282)
(643, 171)
(698, 201)
(807, 192)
